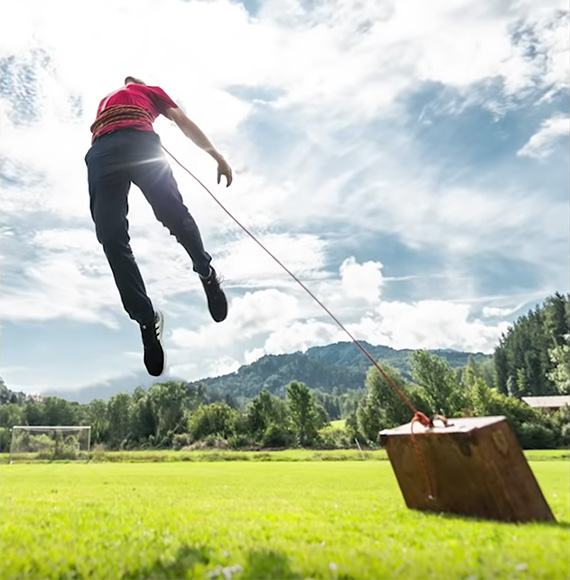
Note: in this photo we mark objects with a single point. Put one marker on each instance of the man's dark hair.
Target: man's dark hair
(134, 80)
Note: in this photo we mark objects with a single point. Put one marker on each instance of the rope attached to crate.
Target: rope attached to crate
(418, 416)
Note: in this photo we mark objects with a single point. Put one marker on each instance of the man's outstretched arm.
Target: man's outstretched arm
(194, 133)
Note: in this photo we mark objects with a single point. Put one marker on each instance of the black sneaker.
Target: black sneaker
(217, 303)
(152, 341)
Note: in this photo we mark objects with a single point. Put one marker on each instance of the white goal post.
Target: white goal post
(50, 442)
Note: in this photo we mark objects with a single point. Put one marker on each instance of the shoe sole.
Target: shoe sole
(160, 331)
(211, 302)
(219, 319)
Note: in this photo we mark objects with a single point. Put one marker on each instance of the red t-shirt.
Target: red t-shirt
(152, 99)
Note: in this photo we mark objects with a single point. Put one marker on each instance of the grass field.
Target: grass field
(160, 456)
(259, 519)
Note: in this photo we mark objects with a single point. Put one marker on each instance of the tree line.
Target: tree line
(531, 359)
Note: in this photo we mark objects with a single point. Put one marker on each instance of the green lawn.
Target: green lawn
(259, 519)
(160, 455)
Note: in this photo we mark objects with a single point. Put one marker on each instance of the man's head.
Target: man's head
(133, 80)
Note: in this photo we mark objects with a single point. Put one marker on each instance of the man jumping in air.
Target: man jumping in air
(125, 149)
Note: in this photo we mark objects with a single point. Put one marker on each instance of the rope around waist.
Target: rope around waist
(118, 114)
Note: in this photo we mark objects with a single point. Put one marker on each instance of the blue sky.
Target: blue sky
(407, 160)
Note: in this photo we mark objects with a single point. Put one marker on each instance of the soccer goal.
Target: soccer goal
(45, 443)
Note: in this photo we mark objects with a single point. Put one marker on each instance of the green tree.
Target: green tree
(532, 428)
(479, 393)
(382, 408)
(330, 403)
(10, 415)
(168, 403)
(143, 421)
(483, 368)
(521, 383)
(196, 395)
(264, 410)
(371, 419)
(556, 319)
(138, 394)
(322, 415)
(214, 419)
(277, 435)
(33, 413)
(523, 361)
(438, 380)
(119, 410)
(96, 416)
(560, 373)
(501, 366)
(303, 413)
(349, 402)
(61, 412)
(10, 397)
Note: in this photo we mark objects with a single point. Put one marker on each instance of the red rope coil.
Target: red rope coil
(118, 114)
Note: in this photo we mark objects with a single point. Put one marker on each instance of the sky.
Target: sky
(407, 160)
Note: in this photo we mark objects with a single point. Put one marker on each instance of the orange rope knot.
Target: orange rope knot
(419, 417)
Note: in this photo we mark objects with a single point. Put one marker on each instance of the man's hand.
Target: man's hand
(224, 169)
(193, 132)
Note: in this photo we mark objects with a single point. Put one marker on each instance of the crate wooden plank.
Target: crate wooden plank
(476, 466)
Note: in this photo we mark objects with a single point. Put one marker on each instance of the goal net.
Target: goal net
(50, 443)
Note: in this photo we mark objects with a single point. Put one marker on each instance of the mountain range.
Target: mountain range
(334, 368)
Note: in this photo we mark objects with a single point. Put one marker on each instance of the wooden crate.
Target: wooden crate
(476, 467)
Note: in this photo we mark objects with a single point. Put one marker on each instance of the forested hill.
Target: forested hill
(347, 354)
(335, 368)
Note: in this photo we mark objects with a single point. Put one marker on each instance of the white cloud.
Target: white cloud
(246, 264)
(425, 324)
(429, 324)
(361, 280)
(306, 101)
(214, 367)
(59, 289)
(250, 315)
(68, 278)
(541, 144)
(462, 220)
(494, 312)
(300, 336)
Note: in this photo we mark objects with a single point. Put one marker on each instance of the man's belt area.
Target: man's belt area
(118, 114)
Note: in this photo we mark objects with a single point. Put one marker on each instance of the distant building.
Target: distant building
(35, 397)
(552, 403)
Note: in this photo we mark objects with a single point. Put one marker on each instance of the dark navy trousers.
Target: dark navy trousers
(114, 161)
